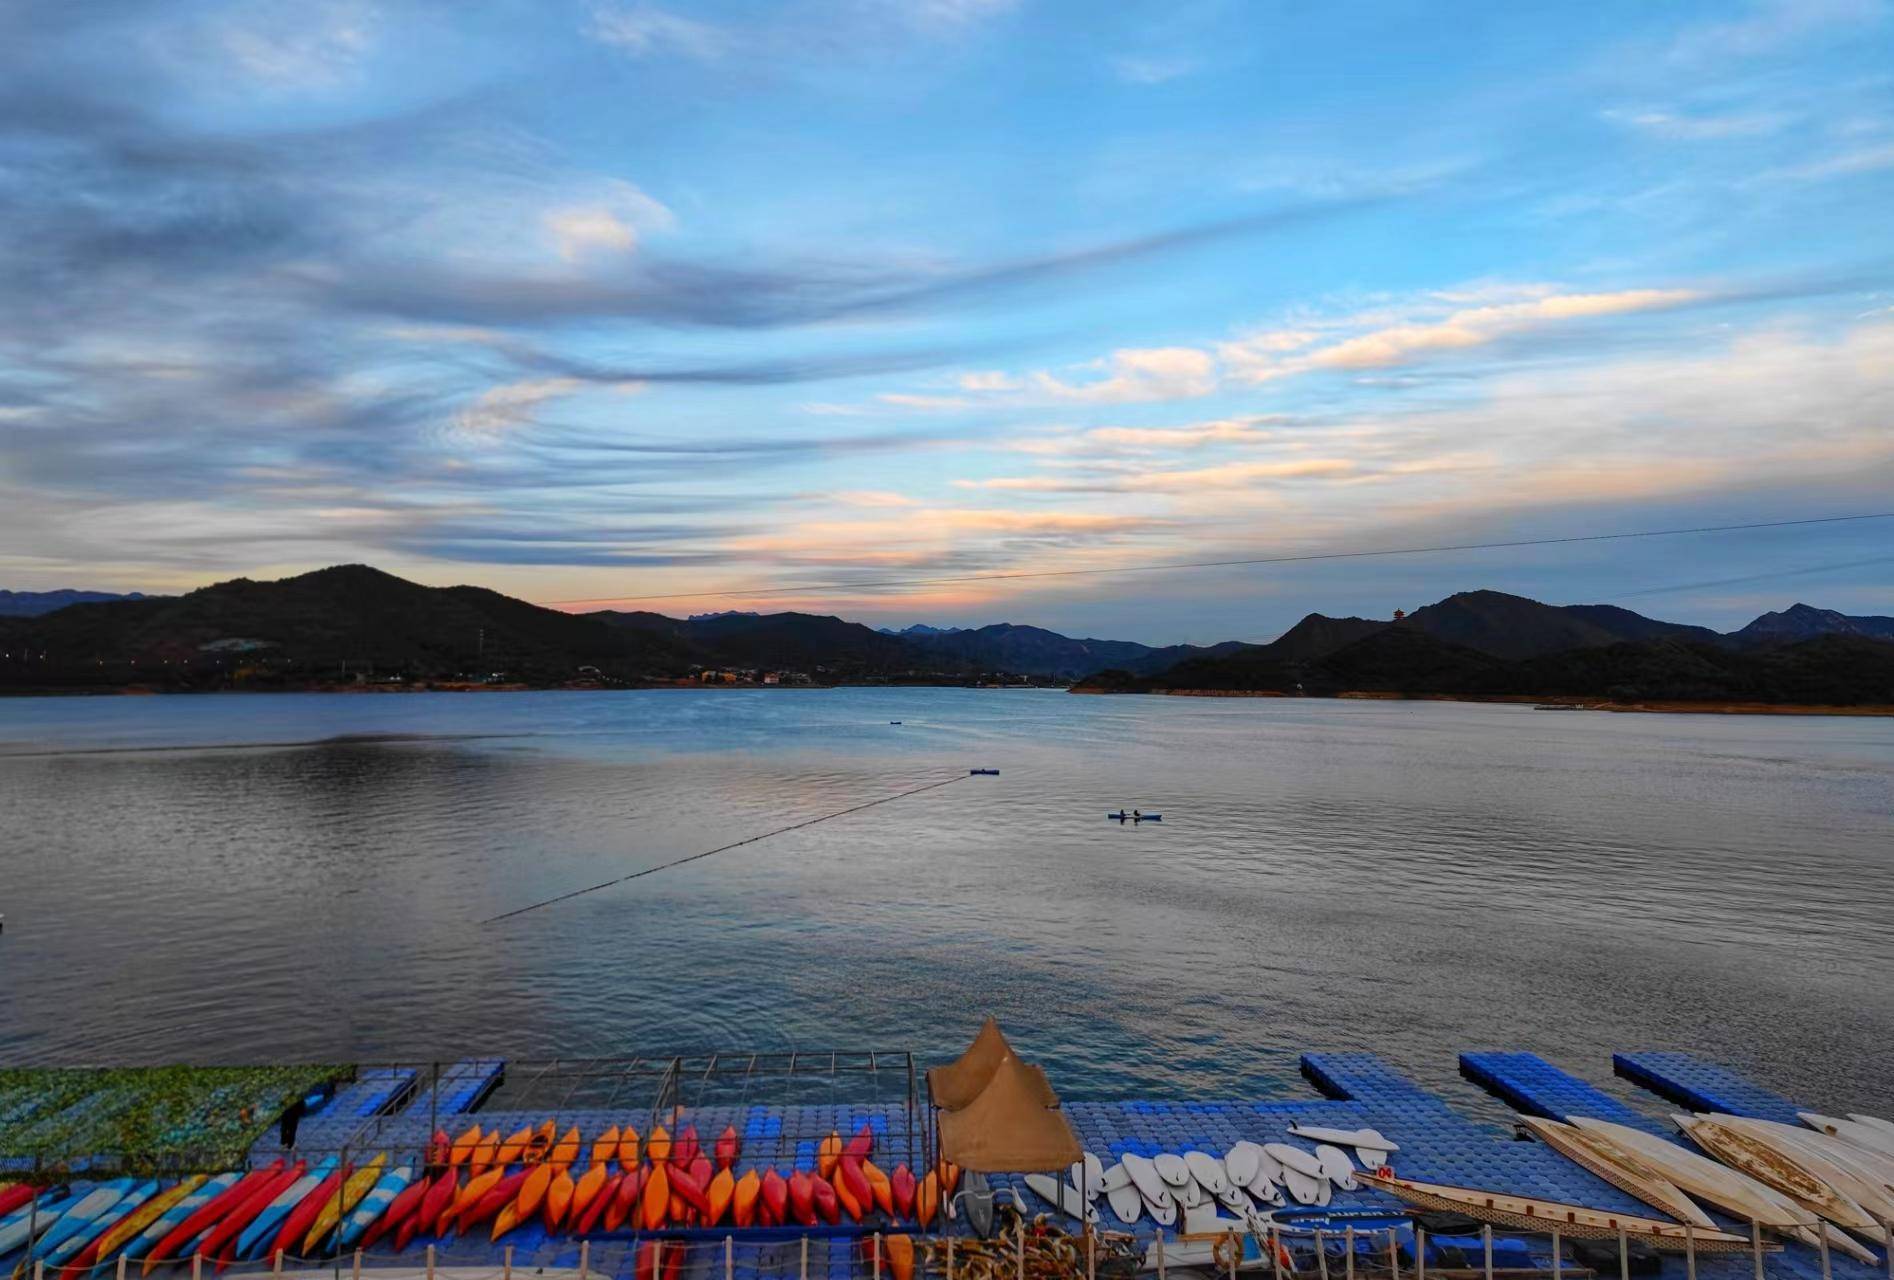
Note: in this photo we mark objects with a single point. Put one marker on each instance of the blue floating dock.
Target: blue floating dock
(1702, 1086)
(462, 1087)
(1528, 1083)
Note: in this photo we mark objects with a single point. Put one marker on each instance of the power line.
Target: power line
(1226, 564)
(678, 862)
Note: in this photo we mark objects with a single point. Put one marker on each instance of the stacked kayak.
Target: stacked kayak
(482, 1184)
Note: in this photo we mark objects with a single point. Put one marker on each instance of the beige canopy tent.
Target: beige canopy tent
(1009, 1128)
(959, 1082)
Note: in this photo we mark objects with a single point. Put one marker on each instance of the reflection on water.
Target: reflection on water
(1415, 879)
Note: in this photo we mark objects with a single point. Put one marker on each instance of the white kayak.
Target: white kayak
(1125, 1203)
(1335, 1167)
(1208, 1171)
(1171, 1168)
(1061, 1195)
(1356, 1138)
(1865, 1136)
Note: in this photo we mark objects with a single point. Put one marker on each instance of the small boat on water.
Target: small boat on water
(1122, 816)
(1522, 1213)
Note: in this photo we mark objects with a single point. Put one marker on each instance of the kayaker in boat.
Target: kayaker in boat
(1137, 815)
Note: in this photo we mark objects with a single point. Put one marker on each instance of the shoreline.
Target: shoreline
(1650, 705)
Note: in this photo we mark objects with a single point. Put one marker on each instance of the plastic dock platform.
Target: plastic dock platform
(1529, 1084)
(1702, 1086)
(462, 1087)
(352, 1109)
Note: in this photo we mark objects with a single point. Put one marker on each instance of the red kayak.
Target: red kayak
(802, 1197)
(861, 1145)
(223, 1236)
(303, 1216)
(435, 1202)
(210, 1211)
(901, 1185)
(684, 1147)
(774, 1201)
(603, 1201)
(728, 1148)
(13, 1197)
(827, 1203)
(685, 1186)
(857, 1181)
(499, 1197)
(399, 1210)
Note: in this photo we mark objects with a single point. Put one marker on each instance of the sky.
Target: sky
(680, 306)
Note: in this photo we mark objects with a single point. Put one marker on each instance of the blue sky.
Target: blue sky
(610, 299)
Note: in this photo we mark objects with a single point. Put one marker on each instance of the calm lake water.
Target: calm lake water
(253, 878)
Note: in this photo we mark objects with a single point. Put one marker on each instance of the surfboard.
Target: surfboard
(1234, 1198)
(1191, 1194)
(1208, 1171)
(1087, 1175)
(1242, 1162)
(1125, 1202)
(1336, 1167)
(1061, 1195)
(1114, 1178)
(1305, 1188)
(1295, 1158)
(1172, 1169)
(1344, 1137)
(1145, 1177)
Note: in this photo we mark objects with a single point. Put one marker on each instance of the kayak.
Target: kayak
(94, 1205)
(404, 1206)
(209, 1212)
(1122, 816)
(271, 1215)
(374, 1204)
(14, 1230)
(355, 1186)
(168, 1220)
(290, 1235)
(131, 1223)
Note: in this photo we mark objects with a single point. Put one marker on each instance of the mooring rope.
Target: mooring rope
(678, 862)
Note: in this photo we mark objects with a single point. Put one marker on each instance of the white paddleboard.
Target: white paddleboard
(1208, 1171)
(1087, 1174)
(1304, 1188)
(1062, 1196)
(1371, 1157)
(1335, 1167)
(1268, 1168)
(1324, 1191)
(1171, 1168)
(1267, 1193)
(1125, 1202)
(1191, 1195)
(1343, 1137)
(1114, 1178)
(1144, 1177)
(1164, 1213)
(1296, 1159)
(1243, 1162)
(1234, 1199)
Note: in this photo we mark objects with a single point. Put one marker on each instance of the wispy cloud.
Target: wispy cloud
(1688, 127)
(1152, 69)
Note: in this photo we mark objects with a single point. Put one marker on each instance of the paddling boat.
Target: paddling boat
(1619, 1166)
(1787, 1171)
(1521, 1213)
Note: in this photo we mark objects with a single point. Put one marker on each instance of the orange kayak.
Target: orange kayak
(533, 1190)
(659, 1148)
(743, 1198)
(458, 1154)
(839, 1188)
(949, 1177)
(628, 1148)
(559, 1198)
(718, 1195)
(657, 1192)
(900, 1256)
(480, 1159)
(606, 1148)
(540, 1144)
(587, 1190)
(566, 1150)
(510, 1150)
(469, 1196)
(508, 1219)
(878, 1183)
(828, 1153)
(927, 1198)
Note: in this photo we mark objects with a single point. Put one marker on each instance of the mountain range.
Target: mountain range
(355, 622)
(30, 604)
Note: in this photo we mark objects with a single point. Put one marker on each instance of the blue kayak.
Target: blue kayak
(1122, 816)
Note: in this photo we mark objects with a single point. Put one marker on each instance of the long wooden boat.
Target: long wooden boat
(1524, 1213)
(1621, 1167)
(1773, 1166)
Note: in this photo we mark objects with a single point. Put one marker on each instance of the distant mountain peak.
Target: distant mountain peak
(723, 613)
(920, 629)
(32, 604)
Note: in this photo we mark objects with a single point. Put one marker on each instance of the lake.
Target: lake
(304, 876)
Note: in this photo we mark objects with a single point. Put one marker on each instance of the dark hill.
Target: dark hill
(804, 641)
(1508, 626)
(31, 604)
(1805, 622)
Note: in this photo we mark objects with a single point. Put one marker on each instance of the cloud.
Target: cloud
(1683, 127)
(1771, 27)
(499, 408)
(644, 30)
(607, 225)
(1229, 475)
(300, 46)
(1147, 69)
(1841, 164)
(1138, 373)
(1260, 358)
